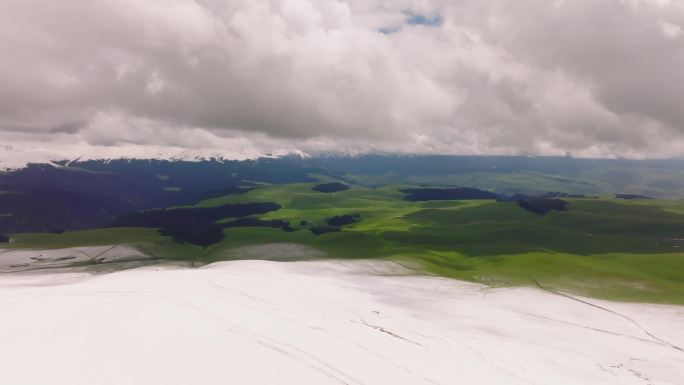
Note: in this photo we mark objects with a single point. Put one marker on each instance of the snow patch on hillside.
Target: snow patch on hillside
(23, 260)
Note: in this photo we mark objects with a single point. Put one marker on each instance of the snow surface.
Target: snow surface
(22, 260)
(361, 322)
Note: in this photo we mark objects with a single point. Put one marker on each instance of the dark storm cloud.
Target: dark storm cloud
(593, 77)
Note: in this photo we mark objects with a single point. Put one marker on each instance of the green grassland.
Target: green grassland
(605, 248)
(605, 179)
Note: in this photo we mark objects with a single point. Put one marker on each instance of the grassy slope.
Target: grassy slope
(600, 180)
(626, 250)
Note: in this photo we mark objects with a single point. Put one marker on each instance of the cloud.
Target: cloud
(594, 78)
(670, 30)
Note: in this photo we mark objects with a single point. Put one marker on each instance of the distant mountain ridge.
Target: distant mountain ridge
(79, 194)
(87, 194)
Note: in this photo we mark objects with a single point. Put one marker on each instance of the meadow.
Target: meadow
(599, 247)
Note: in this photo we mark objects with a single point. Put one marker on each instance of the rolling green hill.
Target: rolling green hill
(604, 247)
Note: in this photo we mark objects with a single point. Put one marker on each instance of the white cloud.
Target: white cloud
(670, 30)
(593, 78)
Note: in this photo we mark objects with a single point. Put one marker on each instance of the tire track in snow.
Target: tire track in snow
(274, 310)
(631, 320)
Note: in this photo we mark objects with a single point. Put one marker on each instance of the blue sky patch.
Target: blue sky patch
(413, 18)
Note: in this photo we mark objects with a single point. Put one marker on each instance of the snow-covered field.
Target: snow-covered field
(259, 322)
(23, 260)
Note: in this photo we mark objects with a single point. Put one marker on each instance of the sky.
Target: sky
(241, 78)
